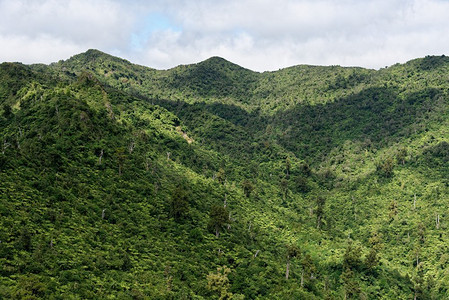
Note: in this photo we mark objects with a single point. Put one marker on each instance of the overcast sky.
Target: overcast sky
(259, 35)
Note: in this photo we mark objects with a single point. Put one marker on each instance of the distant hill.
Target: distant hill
(211, 181)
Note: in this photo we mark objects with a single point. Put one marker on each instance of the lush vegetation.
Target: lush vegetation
(210, 181)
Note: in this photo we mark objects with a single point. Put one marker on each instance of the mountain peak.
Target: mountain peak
(217, 59)
(219, 62)
(93, 55)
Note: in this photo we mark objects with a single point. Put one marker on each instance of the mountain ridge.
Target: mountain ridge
(304, 183)
(95, 53)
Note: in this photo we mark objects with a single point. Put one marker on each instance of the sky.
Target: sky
(262, 35)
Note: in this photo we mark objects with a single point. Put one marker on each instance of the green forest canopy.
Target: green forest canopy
(213, 181)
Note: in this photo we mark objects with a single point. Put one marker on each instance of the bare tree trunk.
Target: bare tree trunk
(302, 278)
(101, 156)
(287, 271)
(438, 221)
(156, 187)
(257, 252)
(414, 201)
(131, 147)
(5, 146)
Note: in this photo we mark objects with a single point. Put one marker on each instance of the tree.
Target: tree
(7, 111)
(372, 259)
(393, 210)
(385, 167)
(302, 184)
(401, 155)
(121, 157)
(219, 282)
(221, 176)
(320, 202)
(308, 268)
(305, 169)
(218, 218)
(179, 203)
(248, 187)
(351, 258)
(351, 286)
(287, 168)
(284, 187)
(292, 251)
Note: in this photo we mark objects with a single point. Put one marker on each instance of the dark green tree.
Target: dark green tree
(352, 256)
(218, 218)
(320, 203)
(287, 168)
(350, 284)
(385, 167)
(179, 203)
(120, 155)
(292, 252)
(248, 187)
(7, 111)
(309, 270)
(372, 258)
(302, 184)
(221, 176)
(401, 154)
(284, 187)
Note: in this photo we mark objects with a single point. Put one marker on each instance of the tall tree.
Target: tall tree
(179, 202)
(218, 218)
(320, 203)
(292, 252)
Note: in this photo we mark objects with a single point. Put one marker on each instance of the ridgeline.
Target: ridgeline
(211, 181)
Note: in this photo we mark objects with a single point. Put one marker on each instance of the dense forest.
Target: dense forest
(211, 181)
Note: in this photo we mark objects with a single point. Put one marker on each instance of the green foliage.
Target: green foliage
(385, 167)
(179, 203)
(218, 282)
(351, 285)
(7, 111)
(113, 178)
(218, 218)
(248, 187)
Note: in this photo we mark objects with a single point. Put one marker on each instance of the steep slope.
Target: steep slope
(102, 195)
(123, 181)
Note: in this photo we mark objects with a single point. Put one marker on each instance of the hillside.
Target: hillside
(211, 181)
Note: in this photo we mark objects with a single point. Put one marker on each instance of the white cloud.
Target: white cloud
(43, 30)
(258, 34)
(42, 49)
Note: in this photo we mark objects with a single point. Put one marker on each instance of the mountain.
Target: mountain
(211, 181)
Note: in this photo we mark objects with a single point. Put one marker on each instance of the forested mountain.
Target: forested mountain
(211, 181)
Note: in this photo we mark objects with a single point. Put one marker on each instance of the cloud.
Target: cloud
(260, 35)
(42, 30)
